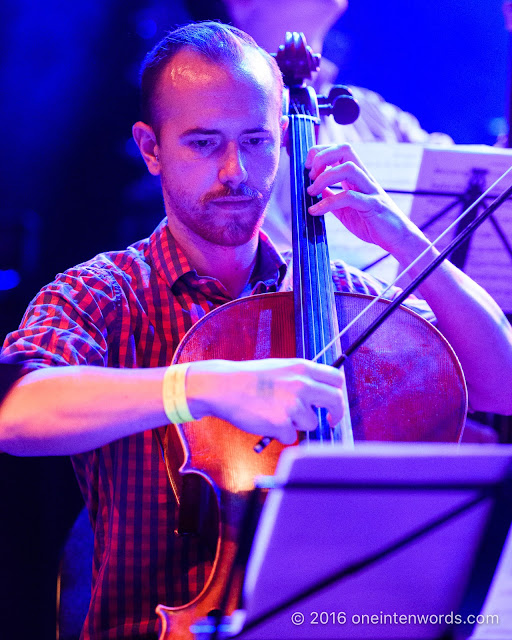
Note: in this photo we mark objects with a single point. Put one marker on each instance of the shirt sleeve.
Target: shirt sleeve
(70, 322)
(381, 121)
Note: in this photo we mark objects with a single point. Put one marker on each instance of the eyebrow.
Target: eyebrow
(201, 131)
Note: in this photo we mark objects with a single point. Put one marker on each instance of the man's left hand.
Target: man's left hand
(361, 204)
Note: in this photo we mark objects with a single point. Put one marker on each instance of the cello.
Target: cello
(392, 381)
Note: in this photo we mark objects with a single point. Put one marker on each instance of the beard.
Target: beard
(228, 226)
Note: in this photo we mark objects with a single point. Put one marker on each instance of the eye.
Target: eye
(201, 144)
(256, 141)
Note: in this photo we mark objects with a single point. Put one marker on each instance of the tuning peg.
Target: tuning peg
(341, 104)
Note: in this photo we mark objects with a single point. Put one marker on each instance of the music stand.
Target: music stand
(433, 185)
(393, 531)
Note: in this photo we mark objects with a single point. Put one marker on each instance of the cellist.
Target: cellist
(96, 343)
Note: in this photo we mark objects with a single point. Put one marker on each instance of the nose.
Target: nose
(232, 171)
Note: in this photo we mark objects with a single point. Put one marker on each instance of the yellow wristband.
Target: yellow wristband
(174, 395)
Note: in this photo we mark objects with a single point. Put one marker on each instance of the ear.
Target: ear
(285, 121)
(145, 138)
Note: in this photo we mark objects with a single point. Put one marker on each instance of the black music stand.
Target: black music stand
(475, 188)
(393, 531)
(438, 183)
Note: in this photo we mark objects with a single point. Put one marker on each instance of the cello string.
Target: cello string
(413, 263)
(318, 321)
(301, 132)
(302, 276)
(305, 294)
(325, 328)
(316, 333)
(325, 324)
(326, 304)
(299, 247)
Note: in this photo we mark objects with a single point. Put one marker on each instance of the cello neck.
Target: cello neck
(316, 324)
(315, 311)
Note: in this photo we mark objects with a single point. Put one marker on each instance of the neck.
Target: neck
(232, 266)
(267, 21)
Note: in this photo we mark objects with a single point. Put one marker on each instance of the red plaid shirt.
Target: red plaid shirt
(130, 309)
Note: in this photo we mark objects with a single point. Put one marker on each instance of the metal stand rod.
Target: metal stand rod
(466, 233)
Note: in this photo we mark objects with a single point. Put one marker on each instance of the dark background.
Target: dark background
(72, 184)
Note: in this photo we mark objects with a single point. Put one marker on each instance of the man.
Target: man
(96, 343)
(267, 22)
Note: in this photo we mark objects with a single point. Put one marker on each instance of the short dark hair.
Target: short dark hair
(218, 42)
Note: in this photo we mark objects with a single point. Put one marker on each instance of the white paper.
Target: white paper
(408, 167)
(499, 601)
(305, 535)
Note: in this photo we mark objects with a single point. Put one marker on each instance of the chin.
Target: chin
(233, 231)
(233, 236)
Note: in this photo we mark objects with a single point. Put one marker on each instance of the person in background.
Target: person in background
(267, 21)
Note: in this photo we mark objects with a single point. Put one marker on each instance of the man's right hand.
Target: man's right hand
(272, 397)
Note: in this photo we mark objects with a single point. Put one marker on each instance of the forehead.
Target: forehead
(191, 82)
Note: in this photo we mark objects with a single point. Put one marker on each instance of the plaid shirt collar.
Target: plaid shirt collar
(173, 266)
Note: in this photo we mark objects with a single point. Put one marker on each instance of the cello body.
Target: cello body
(404, 384)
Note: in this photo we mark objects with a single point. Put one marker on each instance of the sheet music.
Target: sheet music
(411, 167)
(450, 170)
(499, 600)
